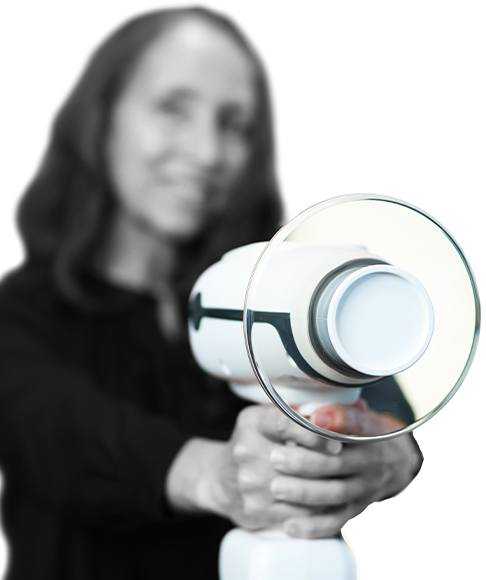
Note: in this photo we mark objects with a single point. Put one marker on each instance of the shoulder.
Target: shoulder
(30, 307)
(27, 287)
(36, 322)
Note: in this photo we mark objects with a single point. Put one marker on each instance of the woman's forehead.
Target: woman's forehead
(198, 56)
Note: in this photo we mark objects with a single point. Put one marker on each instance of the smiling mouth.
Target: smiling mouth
(183, 198)
(190, 189)
(188, 177)
(184, 194)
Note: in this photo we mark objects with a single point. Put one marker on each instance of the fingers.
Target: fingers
(257, 514)
(274, 425)
(283, 472)
(251, 478)
(322, 525)
(256, 505)
(317, 493)
(355, 419)
(294, 460)
(302, 462)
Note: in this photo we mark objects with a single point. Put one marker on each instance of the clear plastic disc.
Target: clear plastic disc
(362, 297)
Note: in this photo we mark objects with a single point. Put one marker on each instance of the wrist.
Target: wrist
(192, 484)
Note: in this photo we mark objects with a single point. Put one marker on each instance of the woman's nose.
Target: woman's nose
(203, 142)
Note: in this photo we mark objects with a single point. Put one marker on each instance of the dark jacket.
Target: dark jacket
(93, 409)
(94, 406)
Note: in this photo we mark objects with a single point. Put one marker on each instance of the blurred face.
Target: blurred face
(179, 134)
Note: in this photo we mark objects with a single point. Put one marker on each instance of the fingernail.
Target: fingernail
(277, 487)
(277, 458)
(321, 419)
(291, 528)
(334, 447)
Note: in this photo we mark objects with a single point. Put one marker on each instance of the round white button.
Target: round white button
(380, 320)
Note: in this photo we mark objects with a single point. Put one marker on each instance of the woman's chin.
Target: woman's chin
(180, 232)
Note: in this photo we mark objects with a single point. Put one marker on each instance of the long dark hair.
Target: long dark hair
(64, 213)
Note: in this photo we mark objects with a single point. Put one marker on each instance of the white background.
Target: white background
(370, 96)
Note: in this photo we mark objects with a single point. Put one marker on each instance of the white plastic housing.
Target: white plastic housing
(219, 345)
(272, 555)
(377, 320)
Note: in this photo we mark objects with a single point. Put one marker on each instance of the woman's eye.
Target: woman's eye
(236, 126)
(172, 107)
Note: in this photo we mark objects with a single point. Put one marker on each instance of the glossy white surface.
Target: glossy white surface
(272, 555)
(380, 320)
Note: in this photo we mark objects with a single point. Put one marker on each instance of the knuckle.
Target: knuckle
(333, 447)
(311, 441)
(244, 416)
(252, 512)
(339, 492)
(240, 452)
(268, 419)
(248, 519)
(246, 480)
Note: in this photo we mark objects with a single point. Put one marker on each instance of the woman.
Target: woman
(121, 459)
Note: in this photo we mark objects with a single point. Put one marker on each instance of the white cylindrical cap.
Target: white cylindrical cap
(379, 320)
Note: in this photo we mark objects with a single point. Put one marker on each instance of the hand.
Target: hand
(234, 479)
(342, 486)
(246, 473)
(357, 419)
